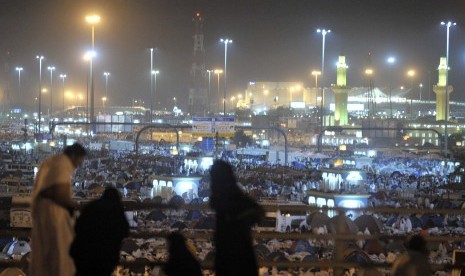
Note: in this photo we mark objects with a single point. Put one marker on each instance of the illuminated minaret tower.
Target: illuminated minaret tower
(341, 93)
(440, 90)
(198, 98)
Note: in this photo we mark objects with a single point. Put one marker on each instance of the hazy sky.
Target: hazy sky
(274, 40)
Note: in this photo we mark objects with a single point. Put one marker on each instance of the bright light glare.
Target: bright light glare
(92, 19)
(90, 55)
(391, 59)
(351, 203)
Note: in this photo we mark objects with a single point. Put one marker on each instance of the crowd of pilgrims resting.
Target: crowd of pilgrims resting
(394, 182)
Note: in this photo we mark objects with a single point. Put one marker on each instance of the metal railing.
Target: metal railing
(337, 263)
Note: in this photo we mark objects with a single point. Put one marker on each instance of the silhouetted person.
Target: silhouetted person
(415, 261)
(99, 229)
(417, 243)
(52, 210)
(181, 262)
(236, 213)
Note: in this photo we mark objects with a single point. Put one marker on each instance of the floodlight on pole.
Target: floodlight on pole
(323, 32)
(63, 77)
(154, 95)
(51, 69)
(448, 25)
(209, 72)
(106, 74)
(225, 41)
(40, 58)
(92, 20)
(218, 72)
(391, 60)
(89, 56)
(19, 69)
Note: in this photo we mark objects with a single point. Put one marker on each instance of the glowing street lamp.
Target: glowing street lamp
(316, 74)
(104, 99)
(19, 69)
(40, 58)
(411, 75)
(218, 72)
(51, 69)
(225, 41)
(106, 74)
(421, 86)
(92, 20)
(232, 102)
(209, 72)
(446, 115)
(323, 32)
(63, 77)
(391, 61)
(154, 74)
(89, 56)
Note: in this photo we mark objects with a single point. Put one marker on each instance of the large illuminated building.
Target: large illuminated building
(261, 96)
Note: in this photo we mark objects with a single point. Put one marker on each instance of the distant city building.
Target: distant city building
(267, 95)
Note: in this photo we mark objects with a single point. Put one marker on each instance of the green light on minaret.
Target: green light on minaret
(442, 69)
(342, 72)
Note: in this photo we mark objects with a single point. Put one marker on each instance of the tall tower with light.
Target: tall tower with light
(198, 92)
(440, 90)
(341, 93)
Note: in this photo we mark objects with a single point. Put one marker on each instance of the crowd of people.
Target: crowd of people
(396, 182)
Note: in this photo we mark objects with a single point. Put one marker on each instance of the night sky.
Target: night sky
(274, 40)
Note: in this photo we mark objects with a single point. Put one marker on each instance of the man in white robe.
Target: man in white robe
(52, 207)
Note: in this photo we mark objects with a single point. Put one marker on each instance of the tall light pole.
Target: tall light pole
(92, 20)
(51, 69)
(19, 69)
(370, 96)
(151, 85)
(390, 60)
(323, 32)
(63, 77)
(218, 72)
(89, 56)
(154, 91)
(446, 121)
(316, 74)
(40, 58)
(209, 72)
(104, 99)
(225, 41)
(106, 74)
(232, 102)
(411, 75)
(421, 88)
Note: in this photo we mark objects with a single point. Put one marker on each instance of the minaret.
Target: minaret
(440, 90)
(341, 93)
(198, 98)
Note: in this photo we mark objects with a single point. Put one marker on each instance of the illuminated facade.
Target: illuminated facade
(440, 90)
(266, 95)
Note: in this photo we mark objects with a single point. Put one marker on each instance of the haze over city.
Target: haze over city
(273, 41)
